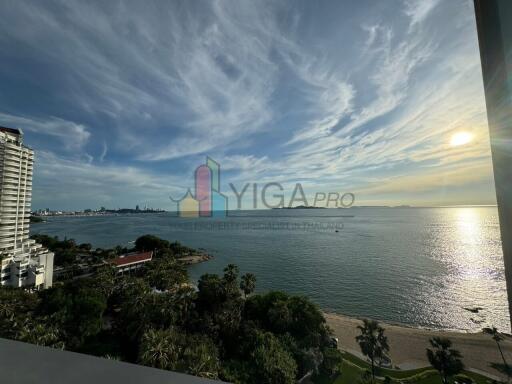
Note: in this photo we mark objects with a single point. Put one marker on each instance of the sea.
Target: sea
(439, 268)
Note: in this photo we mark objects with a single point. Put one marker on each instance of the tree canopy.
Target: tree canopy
(221, 330)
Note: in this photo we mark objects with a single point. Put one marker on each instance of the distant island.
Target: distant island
(130, 210)
(300, 207)
(355, 206)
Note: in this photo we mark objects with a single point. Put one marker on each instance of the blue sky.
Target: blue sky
(123, 99)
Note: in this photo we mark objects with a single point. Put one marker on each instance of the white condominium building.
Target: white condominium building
(24, 263)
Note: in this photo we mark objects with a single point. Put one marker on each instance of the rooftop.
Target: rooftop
(10, 130)
(132, 258)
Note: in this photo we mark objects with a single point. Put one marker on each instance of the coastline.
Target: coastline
(195, 258)
(408, 344)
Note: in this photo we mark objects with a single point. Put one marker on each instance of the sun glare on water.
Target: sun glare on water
(461, 138)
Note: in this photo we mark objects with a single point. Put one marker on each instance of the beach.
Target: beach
(408, 344)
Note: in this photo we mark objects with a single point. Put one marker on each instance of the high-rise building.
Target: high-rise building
(24, 263)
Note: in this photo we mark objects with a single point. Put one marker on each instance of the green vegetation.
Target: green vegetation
(162, 247)
(445, 359)
(68, 252)
(219, 331)
(36, 219)
(248, 284)
(372, 342)
(354, 369)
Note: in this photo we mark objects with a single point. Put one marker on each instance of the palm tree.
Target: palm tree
(230, 280)
(201, 359)
(248, 284)
(372, 341)
(40, 334)
(105, 279)
(159, 349)
(497, 337)
(8, 323)
(6, 309)
(231, 273)
(443, 358)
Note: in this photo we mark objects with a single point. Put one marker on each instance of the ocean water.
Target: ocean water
(416, 266)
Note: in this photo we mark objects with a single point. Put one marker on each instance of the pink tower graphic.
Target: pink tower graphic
(203, 190)
(208, 201)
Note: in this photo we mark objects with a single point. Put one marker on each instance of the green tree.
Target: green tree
(105, 279)
(280, 316)
(211, 292)
(179, 249)
(280, 313)
(169, 349)
(77, 308)
(160, 349)
(498, 337)
(7, 312)
(150, 243)
(237, 372)
(373, 342)
(166, 274)
(16, 306)
(65, 250)
(248, 284)
(444, 359)
(183, 304)
(130, 301)
(272, 362)
(332, 363)
(41, 331)
(311, 359)
(200, 358)
(230, 279)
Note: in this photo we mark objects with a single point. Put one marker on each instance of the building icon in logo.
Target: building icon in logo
(207, 201)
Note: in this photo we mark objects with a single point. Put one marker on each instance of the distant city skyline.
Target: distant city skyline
(120, 101)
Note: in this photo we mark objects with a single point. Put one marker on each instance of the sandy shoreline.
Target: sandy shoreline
(408, 344)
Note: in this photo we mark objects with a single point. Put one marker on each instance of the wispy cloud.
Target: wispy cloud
(72, 136)
(418, 10)
(81, 183)
(103, 152)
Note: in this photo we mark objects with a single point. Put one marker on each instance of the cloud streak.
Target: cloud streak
(72, 135)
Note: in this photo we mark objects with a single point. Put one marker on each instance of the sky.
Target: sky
(122, 100)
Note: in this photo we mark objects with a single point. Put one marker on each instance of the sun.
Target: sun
(461, 138)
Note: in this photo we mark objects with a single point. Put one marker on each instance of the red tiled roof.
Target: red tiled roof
(132, 258)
